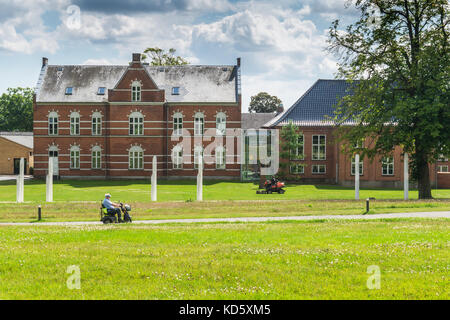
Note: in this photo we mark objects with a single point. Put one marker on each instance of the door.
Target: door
(54, 156)
(17, 166)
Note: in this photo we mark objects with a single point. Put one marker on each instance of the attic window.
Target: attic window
(175, 90)
(60, 69)
(69, 91)
(101, 91)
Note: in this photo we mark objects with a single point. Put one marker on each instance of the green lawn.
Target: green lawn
(79, 200)
(139, 191)
(284, 260)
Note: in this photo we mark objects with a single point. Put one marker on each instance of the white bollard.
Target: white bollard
(200, 180)
(154, 178)
(20, 182)
(357, 177)
(49, 182)
(406, 176)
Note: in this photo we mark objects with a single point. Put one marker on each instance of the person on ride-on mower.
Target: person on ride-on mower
(111, 207)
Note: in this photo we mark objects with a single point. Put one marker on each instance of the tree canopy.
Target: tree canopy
(397, 57)
(265, 103)
(16, 110)
(163, 58)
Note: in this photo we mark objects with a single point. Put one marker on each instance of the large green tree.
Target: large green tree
(397, 57)
(16, 110)
(161, 57)
(264, 103)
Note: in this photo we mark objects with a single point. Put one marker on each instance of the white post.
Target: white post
(154, 178)
(200, 180)
(406, 176)
(20, 181)
(49, 193)
(357, 177)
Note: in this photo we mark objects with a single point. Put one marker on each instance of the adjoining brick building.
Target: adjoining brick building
(109, 121)
(320, 159)
(16, 145)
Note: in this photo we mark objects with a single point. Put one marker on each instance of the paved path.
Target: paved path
(434, 215)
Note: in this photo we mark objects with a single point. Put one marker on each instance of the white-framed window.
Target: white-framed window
(221, 159)
(177, 157)
(387, 166)
(296, 168)
(319, 169)
(96, 157)
(299, 153)
(319, 147)
(221, 123)
(359, 144)
(361, 167)
(175, 91)
(136, 91)
(75, 157)
(136, 122)
(442, 168)
(442, 158)
(53, 123)
(198, 153)
(178, 124)
(96, 124)
(74, 124)
(199, 123)
(136, 158)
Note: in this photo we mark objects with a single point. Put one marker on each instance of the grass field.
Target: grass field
(284, 260)
(80, 201)
(139, 191)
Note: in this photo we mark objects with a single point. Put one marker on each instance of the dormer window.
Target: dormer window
(69, 91)
(101, 91)
(175, 91)
(136, 91)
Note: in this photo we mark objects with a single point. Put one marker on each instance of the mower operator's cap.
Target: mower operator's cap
(107, 195)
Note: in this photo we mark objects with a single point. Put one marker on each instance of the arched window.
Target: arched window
(96, 124)
(199, 123)
(177, 157)
(75, 123)
(136, 91)
(178, 124)
(75, 157)
(96, 157)
(136, 158)
(198, 153)
(221, 123)
(53, 123)
(220, 158)
(136, 124)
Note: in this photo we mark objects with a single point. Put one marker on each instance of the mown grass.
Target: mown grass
(284, 260)
(139, 191)
(89, 211)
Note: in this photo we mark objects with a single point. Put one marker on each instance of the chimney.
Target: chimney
(136, 57)
(44, 61)
(280, 109)
(238, 62)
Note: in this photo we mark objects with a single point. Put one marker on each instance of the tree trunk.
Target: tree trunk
(423, 172)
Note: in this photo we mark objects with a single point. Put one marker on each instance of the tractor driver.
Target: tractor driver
(112, 207)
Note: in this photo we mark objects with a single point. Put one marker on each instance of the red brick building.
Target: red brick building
(109, 121)
(320, 159)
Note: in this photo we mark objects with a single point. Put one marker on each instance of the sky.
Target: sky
(282, 43)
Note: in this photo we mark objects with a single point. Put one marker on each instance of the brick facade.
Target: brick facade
(115, 140)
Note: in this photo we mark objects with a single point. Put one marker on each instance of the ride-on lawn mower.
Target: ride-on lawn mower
(272, 186)
(106, 218)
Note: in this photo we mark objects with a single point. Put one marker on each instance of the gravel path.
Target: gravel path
(434, 215)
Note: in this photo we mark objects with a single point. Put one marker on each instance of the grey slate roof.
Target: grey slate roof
(255, 120)
(313, 107)
(196, 83)
(22, 138)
